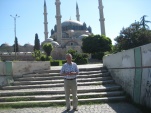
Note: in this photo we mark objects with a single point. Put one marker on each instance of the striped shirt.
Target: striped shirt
(66, 68)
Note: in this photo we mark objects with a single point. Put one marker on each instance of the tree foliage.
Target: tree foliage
(133, 36)
(143, 22)
(47, 47)
(37, 43)
(73, 53)
(79, 58)
(16, 48)
(96, 43)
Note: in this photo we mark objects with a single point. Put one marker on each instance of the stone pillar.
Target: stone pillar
(58, 21)
(45, 21)
(102, 19)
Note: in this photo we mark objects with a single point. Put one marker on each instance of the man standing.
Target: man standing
(70, 71)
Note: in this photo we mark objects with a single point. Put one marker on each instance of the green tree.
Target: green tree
(96, 43)
(130, 37)
(144, 22)
(37, 54)
(16, 48)
(37, 43)
(73, 53)
(47, 47)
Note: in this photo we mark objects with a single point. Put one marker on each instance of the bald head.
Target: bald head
(69, 58)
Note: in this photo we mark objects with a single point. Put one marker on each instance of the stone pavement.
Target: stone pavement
(121, 107)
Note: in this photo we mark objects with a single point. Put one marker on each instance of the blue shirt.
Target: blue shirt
(66, 68)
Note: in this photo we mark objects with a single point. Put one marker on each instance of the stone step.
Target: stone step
(84, 68)
(60, 96)
(56, 85)
(58, 74)
(62, 102)
(59, 90)
(50, 77)
(27, 82)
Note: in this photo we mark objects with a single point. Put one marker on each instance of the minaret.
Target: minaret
(45, 21)
(102, 19)
(77, 12)
(58, 21)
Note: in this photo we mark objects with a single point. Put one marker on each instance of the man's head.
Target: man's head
(69, 58)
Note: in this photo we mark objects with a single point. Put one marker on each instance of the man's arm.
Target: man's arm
(76, 72)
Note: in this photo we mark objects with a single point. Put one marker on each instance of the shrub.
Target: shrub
(64, 61)
(55, 63)
(45, 58)
(98, 56)
(80, 59)
(84, 55)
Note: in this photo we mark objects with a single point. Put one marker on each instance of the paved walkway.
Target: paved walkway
(95, 108)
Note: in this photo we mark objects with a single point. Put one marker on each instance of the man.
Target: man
(70, 71)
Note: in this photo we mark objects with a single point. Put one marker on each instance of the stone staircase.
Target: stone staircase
(94, 85)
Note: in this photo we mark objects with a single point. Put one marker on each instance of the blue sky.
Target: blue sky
(117, 13)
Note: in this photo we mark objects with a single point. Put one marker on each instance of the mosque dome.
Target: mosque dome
(19, 45)
(72, 25)
(82, 36)
(28, 45)
(50, 40)
(5, 45)
(71, 22)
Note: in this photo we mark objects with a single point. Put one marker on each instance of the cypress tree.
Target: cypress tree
(37, 43)
(16, 45)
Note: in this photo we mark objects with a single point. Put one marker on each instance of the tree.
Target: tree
(73, 53)
(37, 43)
(47, 47)
(144, 22)
(135, 26)
(16, 49)
(131, 37)
(96, 43)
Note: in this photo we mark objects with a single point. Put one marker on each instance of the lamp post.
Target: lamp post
(16, 16)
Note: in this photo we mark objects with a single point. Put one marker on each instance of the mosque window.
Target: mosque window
(71, 44)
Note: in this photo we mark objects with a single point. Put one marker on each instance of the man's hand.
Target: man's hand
(70, 73)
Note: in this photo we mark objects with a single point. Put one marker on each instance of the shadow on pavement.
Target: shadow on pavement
(65, 111)
(124, 108)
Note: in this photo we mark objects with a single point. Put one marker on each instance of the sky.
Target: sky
(117, 13)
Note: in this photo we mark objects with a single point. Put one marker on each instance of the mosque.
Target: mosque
(65, 35)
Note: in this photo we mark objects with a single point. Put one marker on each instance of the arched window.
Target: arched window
(71, 43)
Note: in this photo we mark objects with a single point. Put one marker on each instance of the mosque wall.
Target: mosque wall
(21, 48)
(20, 56)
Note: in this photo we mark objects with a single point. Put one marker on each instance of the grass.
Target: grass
(57, 98)
(45, 104)
(17, 99)
(29, 105)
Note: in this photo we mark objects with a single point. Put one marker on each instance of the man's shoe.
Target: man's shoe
(75, 109)
(68, 109)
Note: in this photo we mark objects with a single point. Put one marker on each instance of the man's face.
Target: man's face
(68, 58)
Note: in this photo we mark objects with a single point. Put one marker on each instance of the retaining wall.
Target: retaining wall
(9, 69)
(132, 70)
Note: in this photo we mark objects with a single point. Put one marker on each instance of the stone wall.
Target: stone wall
(20, 56)
(9, 69)
(132, 70)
